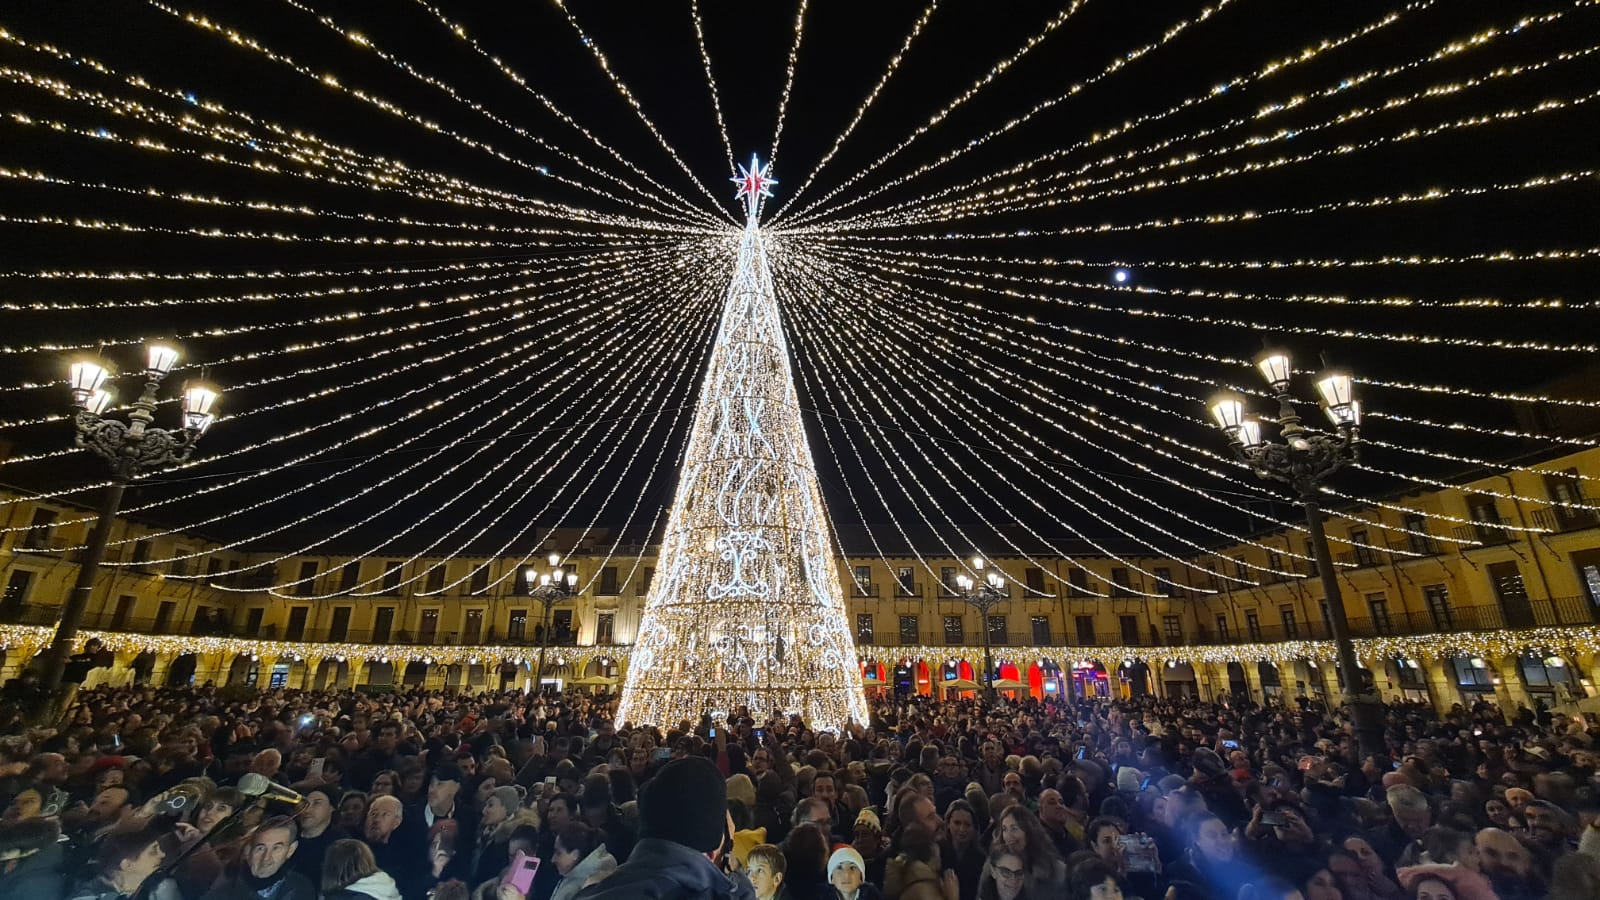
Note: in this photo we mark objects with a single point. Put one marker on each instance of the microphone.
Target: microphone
(255, 785)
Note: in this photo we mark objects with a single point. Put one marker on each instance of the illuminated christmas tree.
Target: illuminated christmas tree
(745, 609)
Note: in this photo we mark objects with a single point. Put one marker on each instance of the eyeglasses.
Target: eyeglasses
(1003, 872)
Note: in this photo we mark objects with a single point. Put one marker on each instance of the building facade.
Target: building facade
(1443, 610)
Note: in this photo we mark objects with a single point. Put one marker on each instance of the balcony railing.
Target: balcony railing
(863, 589)
(1532, 613)
(907, 589)
(1565, 518)
(1485, 533)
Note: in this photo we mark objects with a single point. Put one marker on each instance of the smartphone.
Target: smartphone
(1271, 818)
(713, 733)
(1083, 752)
(761, 733)
(315, 769)
(1231, 745)
(550, 779)
(1139, 850)
(520, 875)
(663, 754)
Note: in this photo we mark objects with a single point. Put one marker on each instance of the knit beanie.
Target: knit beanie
(1129, 779)
(509, 798)
(686, 803)
(845, 855)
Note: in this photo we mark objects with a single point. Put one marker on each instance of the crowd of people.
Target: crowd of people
(231, 794)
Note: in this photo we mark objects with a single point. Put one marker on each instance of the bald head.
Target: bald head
(1501, 853)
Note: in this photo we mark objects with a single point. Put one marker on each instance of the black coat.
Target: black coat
(662, 870)
(293, 887)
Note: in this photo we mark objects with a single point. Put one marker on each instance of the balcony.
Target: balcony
(905, 589)
(1486, 534)
(1565, 518)
(1414, 543)
(863, 590)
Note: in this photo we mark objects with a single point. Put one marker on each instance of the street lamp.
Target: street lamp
(132, 448)
(1304, 458)
(983, 595)
(549, 588)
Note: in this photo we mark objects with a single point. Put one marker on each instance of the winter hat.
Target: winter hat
(870, 819)
(745, 841)
(509, 798)
(845, 856)
(686, 803)
(1129, 779)
(1207, 762)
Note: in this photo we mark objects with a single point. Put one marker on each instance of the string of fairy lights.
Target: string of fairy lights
(999, 325)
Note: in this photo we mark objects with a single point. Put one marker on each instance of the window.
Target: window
(1311, 560)
(141, 551)
(1252, 625)
(213, 566)
(863, 578)
(1274, 560)
(997, 630)
(1119, 580)
(517, 625)
(40, 530)
(1222, 626)
(16, 595)
(908, 630)
(434, 583)
(1240, 571)
(1472, 672)
(954, 631)
(1437, 597)
(391, 576)
(1566, 496)
(296, 629)
(1163, 582)
(1512, 592)
(1035, 580)
(947, 580)
(1482, 509)
(1130, 630)
(349, 576)
(864, 628)
(307, 579)
(340, 629)
(605, 629)
(119, 616)
(383, 625)
(479, 582)
(182, 562)
(1360, 553)
(1378, 605)
(608, 581)
(472, 629)
(1291, 629)
(1041, 631)
(164, 614)
(428, 632)
(904, 582)
(1085, 628)
(252, 620)
(1417, 539)
(645, 580)
(1078, 582)
(1172, 629)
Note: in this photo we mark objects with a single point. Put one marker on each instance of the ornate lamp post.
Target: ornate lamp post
(983, 596)
(549, 589)
(132, 448)
(1304, 458)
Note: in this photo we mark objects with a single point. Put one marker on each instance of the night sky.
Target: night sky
(1160, 334)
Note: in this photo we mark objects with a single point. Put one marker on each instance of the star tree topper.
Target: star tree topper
(754, 183)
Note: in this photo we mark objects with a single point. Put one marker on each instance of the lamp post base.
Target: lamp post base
(1367, 721)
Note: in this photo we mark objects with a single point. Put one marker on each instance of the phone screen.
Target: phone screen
(713, 732)
(315, 769)
(550, 779)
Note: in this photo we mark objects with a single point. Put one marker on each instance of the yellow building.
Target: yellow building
(1442, 610)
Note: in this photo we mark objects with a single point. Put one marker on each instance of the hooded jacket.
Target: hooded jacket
(36, 875)
(592, 869)
(662, 870)
(377, 886)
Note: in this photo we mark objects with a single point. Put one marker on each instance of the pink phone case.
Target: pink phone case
(523, 868)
